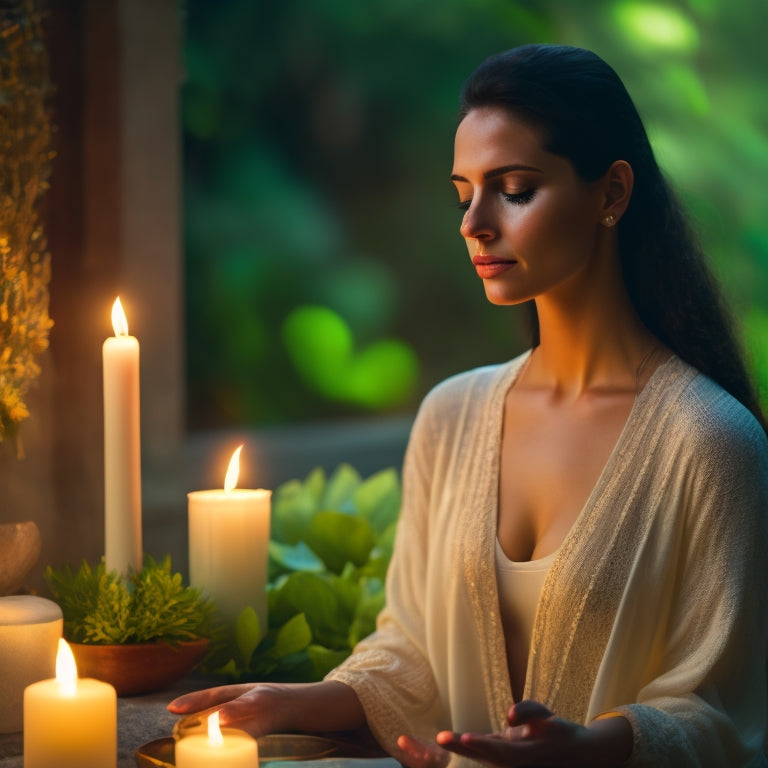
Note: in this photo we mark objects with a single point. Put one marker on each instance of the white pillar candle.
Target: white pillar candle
(30, 629)
(122, 447)
(228, 543)
(70, 722)
(227, 749)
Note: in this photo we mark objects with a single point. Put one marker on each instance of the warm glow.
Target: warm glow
(233, 471)
(215, 738)
(119, 322)
(66, 669)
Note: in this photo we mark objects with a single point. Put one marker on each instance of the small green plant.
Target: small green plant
(101, 607)
(331, 543)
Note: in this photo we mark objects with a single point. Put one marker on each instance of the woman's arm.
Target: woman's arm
(279, 708)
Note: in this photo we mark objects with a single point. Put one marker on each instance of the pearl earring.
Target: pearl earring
(609, 220)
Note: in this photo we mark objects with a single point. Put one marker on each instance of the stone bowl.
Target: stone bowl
(136, 668)
(19, 551)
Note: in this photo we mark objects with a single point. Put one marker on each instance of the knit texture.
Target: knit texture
(655, 605)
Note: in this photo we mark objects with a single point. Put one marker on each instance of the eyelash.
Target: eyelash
(520, 198)
(517, 198)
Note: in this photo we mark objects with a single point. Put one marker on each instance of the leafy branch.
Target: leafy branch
(101, 607)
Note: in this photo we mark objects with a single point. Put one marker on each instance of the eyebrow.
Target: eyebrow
(494, 172)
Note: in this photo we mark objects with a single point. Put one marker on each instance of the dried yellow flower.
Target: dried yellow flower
(25, 156)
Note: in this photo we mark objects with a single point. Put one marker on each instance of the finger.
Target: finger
(210, 697)
(422, 754)
(525, 711)
(486, 749)
(447, 737)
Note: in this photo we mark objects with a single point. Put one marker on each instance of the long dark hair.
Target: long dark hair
(586, 115)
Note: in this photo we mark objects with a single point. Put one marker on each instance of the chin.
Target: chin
(504, 298)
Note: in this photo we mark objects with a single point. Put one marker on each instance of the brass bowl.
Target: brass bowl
(161, 752)
(141, 667)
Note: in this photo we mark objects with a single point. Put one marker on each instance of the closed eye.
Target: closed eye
(520, 198)
(516, 198)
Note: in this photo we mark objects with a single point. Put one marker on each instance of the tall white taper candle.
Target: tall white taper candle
(122, 447)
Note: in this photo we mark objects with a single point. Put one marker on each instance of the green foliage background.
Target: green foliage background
(325, 275)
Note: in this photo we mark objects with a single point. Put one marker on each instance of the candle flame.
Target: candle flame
(119, 321)
(214, 732)
(66, 669)
(233, 471)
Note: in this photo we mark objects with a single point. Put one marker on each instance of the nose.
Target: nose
(476, 224)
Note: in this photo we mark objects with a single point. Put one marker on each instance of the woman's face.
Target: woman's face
(530, 223)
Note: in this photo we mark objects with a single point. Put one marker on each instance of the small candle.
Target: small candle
(230, 749)
(228, 542)
(122, 447)
(30, 629)
(70, 722)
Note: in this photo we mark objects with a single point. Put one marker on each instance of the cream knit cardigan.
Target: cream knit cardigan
(655, 605)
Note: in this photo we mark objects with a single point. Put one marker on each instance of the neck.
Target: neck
(591, 346)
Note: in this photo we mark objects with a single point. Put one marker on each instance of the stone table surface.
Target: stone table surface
(141, 719)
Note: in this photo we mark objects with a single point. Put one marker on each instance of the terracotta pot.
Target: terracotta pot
(140, 667)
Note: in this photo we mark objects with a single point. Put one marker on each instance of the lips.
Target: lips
(487, 265)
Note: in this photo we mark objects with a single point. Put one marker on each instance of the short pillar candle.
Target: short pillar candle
(30, 628)
(228, 546)
(70, 722)
(229, 748)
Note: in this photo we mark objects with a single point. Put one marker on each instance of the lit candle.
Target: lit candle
(122, 447)
(230, 749)
(228, 541)
(70, 722)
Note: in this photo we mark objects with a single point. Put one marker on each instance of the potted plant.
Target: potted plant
(140, 632)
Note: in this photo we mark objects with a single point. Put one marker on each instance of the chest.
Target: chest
(552, 457)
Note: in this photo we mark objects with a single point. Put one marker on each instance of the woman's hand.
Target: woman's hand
(257, 709)
(278, 708)
(421, 753)
(534, 736)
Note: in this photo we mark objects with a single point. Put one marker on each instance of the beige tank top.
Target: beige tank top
(520, 585)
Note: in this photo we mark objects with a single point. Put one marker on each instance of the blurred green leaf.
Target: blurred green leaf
(341, 488)
(310, 594)
(368, 608)
(657, 25)
(247, 634)
(298, 557)
(293, 506)
(325, 659)
(321, 347)
(339, 538)
(378, 499)
(381, 375)
(294, 636)
(315, 484)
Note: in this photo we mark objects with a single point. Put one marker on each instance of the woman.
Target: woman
(579, 575)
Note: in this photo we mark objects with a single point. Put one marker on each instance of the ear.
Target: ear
(616, 187)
